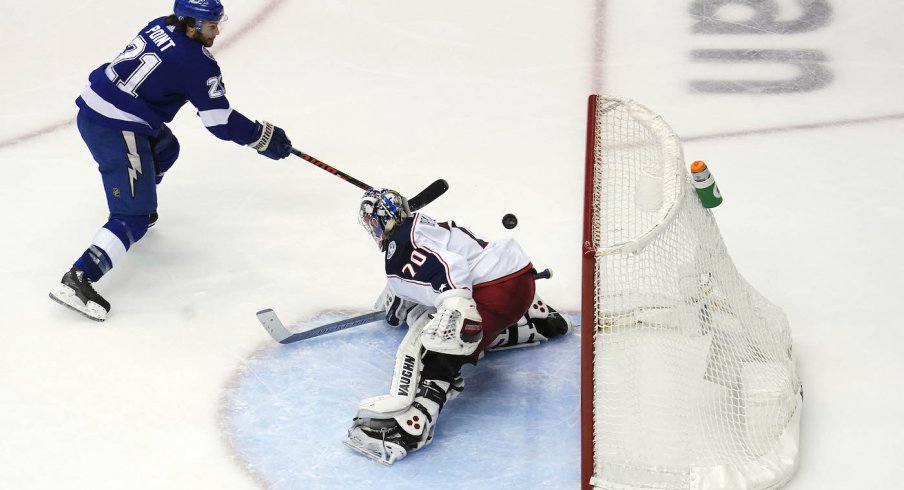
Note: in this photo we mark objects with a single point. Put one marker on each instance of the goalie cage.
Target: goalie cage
(688, 378)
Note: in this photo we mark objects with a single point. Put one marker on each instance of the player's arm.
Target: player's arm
(208, 94)
(432, 274)
(443, 279)
(417, 277)
(421, 268)
(413, 290)
(427, 275)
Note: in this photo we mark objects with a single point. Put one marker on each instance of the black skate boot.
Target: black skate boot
(540, 323)
(75, 291)
(152, 218)
(379, 439)
(549, 322)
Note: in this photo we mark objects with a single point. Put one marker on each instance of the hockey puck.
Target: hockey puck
(509, 221)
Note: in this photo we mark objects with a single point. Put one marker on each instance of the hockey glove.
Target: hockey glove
(271, 141)
(396, 308)
(398, 311)
(455, 329)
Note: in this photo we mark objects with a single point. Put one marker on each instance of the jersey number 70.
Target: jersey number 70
(417, 259)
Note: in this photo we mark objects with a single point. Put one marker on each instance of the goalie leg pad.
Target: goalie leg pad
(419, 420)
(408, 366)
(387, 427)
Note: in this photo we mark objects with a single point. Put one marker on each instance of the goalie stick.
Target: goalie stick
(423, 198)
(281, 334)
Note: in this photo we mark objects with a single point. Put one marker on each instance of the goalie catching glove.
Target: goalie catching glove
(455, 327)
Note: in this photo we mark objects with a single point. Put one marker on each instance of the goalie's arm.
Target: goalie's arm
(421, 268)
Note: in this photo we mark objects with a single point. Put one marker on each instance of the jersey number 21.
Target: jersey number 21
(149, 62)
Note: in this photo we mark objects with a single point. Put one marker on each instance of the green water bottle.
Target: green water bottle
(705, 185)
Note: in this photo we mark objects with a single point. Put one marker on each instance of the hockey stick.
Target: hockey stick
(423, 198)
(281, 334)
(544, 274)
(338, 173)
(428, 195)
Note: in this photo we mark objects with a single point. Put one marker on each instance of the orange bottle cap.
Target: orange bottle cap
(698, 166)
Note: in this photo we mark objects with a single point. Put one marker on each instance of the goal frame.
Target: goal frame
(588, 322)
(771, 377)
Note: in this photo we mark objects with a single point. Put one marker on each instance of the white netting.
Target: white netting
(695, 385)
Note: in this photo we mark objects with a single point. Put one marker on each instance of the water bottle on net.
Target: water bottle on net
(705, 185)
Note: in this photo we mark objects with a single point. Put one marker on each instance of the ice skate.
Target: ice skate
(548, 322)
(540, 323)
(387, 440)
(76, 292)
(382, 445)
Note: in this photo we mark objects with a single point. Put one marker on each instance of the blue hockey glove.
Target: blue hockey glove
(271, 141)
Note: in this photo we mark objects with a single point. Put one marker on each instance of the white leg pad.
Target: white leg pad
(383, 406)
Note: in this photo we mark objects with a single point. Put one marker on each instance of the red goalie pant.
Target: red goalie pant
(502, 302)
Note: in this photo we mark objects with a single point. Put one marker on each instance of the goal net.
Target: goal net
(688, 376)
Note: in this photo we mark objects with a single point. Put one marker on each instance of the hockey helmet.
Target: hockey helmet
(200, 10)
(382, 210)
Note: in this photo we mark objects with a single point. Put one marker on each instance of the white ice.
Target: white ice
(490, 96)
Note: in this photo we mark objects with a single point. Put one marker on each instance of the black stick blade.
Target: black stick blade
(428, 195)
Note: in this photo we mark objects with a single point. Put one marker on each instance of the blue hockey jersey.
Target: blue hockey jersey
(147, 84)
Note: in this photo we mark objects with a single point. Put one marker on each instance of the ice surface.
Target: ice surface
(515, 424)
(490, 96)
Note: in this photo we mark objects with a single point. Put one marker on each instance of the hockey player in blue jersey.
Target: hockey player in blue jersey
(460, 295)
(122, 119)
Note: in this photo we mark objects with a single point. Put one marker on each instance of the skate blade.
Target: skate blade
(385, 453)
(65, 296)
(377, 456)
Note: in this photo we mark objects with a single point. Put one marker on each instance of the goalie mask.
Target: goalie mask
(380, 211)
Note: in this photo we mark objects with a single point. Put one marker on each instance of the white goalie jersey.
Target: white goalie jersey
(428, 261)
